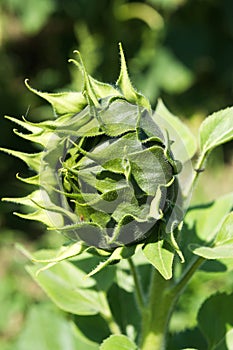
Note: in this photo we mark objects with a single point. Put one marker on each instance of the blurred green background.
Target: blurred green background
(180, 50)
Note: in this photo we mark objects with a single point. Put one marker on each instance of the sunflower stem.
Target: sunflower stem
(156, 314)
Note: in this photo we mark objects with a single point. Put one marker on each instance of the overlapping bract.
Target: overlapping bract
(105, 175)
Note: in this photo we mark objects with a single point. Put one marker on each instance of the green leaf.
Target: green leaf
(216, 130)
(221, 252)
(42, 324)
(124, 307)
(160, 255)
(223, 245)
(93, 328)
(215, 318)
(207, 219)
(225, 235)
(67, 286)
(185, 145)
(118, 342)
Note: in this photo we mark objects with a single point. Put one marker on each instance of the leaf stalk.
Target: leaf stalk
(138, 287)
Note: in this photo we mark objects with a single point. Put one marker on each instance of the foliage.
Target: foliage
(123, 293)
(174, 51)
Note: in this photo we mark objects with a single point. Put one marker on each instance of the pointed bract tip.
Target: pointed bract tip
(26, 82)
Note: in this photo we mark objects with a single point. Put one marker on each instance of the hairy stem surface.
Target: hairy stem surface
(162, 299)
(156, 315)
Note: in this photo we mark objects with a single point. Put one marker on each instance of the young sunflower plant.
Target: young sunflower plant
(115, 178)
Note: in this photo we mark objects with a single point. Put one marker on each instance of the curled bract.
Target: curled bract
(105, 175)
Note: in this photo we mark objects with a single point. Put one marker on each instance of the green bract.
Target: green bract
(106, 175)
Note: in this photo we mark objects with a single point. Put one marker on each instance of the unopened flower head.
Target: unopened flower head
(106, 174)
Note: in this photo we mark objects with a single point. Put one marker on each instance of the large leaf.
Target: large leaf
(222, 247)
(215, 318)
(216, 129)
(207, 219)
(66, 285)
(116, 342)
(42, 324)
(221, 252)
(125, 309)
(94, 328)
(225, 235)
(184, 146)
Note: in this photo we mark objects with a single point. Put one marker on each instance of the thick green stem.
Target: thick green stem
(157, 313)
(162, 300)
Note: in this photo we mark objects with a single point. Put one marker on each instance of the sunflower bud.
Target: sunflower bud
(106, 175)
